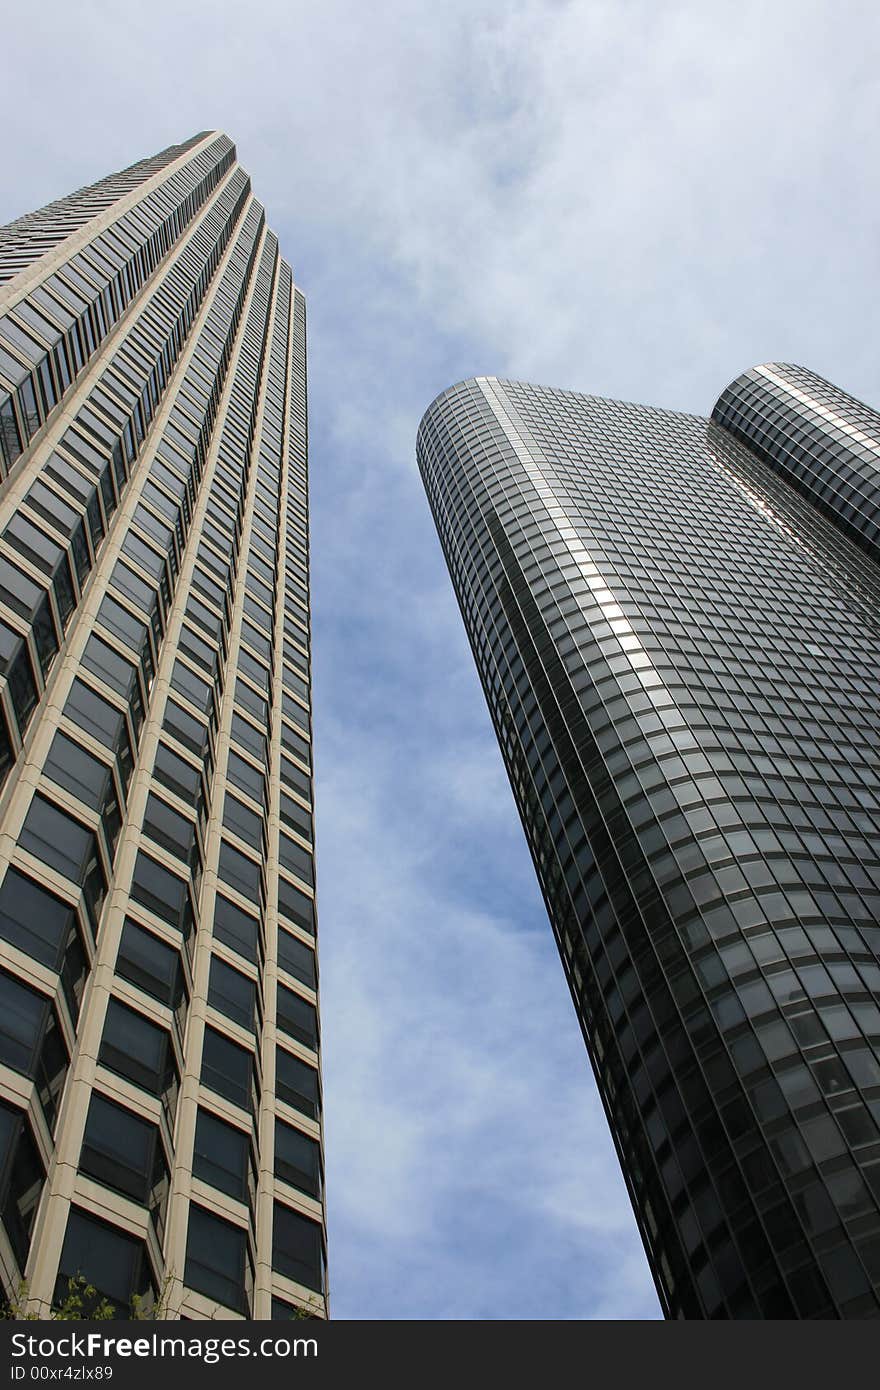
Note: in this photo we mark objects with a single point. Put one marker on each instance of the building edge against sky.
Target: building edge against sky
(160, 1095)
(676, 622)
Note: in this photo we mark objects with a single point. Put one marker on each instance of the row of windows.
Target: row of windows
(109, 470)
(26, 239)
(49, 336)
(219, 1259)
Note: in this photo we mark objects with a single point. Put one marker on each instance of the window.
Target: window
(296, 779)
(297, 1159)
(21, 1179)
(114, 1263)
(136, 589)
(227, 1068)
(293, 857)
(131, 631)
(297, 1084)
(296, 817)
(240, 872)
(109, 666)
(19, 676)
(177, 774)
(258, 672)
(293, 904)
(282, 1311)
(296, 958)
(137, 1049)
(251, 739)
(161, 891)
(192, 687)
(122, 1151)
(188, 730)
(151, 964)
(245, 776)
(297, 1017)
(252, 702)
(95, 715)
(220, 1156)
(297, 1248)
(235, 928)
(242, 821)
(215, 1258)
(34, 920)
(57, 839)
(169, 828)
(232, 993)
(20, 593)
(79, 772)
(294, 744)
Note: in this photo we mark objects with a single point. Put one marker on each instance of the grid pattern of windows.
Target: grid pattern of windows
(155, 750)
(681, 657)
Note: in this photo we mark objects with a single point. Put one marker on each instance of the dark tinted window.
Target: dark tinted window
(296, 906)
(296, 817)
(34, 920)
(227, 1068)
(240, 872)
(296, 958)
(220, 1156)
(235, 928)
(297, 1084)
(215, 1258)
(109, 665)
(57, 838)
(84, 775)
(94, 714)
(245, 776)
(122, 1150)
(297, 1248)
(160, 890)
(168, 827)
(297, 1159)
(250, 738)
(192, 686)
(232, 993)
(23, 1017)
(247, 824)
(297, 1017)
(137, 1049)
(151, 964)
(114, 1263)
(21, 1179)
(293, 857)
(188, 730)
(177, 774)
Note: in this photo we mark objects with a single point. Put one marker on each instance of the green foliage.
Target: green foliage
(82, 1303)
(80, 1296)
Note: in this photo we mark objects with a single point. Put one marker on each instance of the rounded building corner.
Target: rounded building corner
(466, 386)
(734, 389)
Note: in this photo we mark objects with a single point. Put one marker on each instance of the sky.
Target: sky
(628, 199)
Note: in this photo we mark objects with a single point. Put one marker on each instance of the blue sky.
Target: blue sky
(624, 198)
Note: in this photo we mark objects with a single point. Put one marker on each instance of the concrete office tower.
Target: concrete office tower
(676, 625)
(160, 1098)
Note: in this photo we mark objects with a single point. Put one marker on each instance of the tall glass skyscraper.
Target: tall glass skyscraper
(160, 1097)
(677, 626)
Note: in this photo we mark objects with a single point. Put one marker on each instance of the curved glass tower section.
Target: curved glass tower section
(677, 626)
(160, 1097)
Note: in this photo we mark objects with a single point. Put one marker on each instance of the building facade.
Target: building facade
(160, 1094)
(677, 626)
